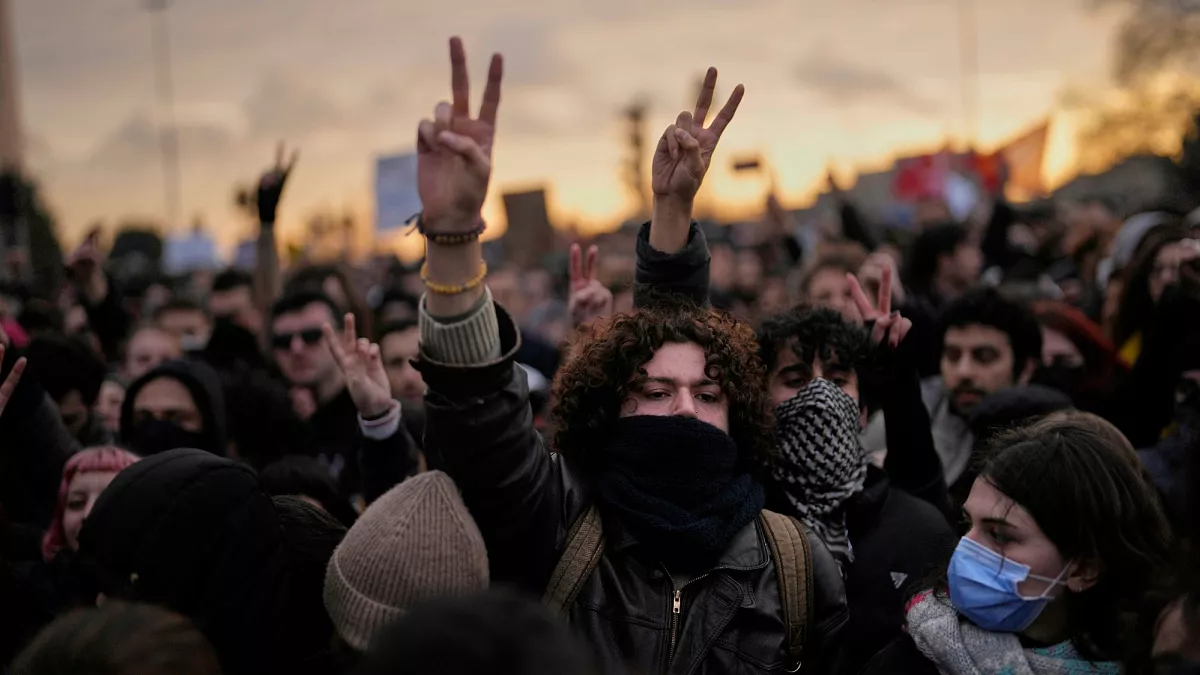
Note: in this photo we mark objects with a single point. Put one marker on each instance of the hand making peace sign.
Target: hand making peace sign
(359, 360)
(685, 150)
(589, 299)
(454, 150)
(888, 324)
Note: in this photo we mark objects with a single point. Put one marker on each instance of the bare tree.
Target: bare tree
(1156, 73)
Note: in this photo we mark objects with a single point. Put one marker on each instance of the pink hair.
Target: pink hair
(104, 458)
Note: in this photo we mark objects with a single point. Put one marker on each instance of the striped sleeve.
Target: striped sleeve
(471, 339)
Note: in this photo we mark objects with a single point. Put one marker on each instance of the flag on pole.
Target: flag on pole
(1023, 158)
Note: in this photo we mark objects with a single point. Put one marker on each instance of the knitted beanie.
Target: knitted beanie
(416, 542)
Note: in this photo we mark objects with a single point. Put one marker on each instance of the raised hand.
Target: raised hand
(454, 150)
(870, 275)
(889, 325)
(685, 150)
(271, 184)
(588, 298)
(85, 267)
(360, 363)
(10, 382)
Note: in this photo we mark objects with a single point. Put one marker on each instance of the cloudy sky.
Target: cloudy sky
(848, 81)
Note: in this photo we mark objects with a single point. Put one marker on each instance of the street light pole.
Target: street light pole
(968, 32)
(168, 133)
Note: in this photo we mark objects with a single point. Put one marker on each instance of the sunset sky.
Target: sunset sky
(850, 81)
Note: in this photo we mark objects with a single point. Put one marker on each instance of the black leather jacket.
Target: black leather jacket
(525, 499)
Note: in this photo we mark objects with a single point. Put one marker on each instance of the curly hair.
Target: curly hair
(609, 359)
(811, 332)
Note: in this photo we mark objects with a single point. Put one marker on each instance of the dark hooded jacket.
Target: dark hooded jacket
(197, 534)
(35, 446)
(205, 387)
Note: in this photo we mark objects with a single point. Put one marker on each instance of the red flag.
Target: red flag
(921, 177)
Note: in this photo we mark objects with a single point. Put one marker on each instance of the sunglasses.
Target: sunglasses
(310, 337)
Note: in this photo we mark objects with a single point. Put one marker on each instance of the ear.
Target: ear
(1086, 573)
(1027, 372)
(862, 417)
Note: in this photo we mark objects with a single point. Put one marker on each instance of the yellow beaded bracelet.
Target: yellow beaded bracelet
(453, 289)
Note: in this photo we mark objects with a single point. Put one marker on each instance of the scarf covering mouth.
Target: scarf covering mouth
(958, 647)
(678, 485)
(821, 463)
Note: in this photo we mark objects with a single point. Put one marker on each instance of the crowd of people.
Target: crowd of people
(964, 449)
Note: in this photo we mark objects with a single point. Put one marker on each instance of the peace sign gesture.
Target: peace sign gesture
(360, 363)
(588, 299)
(685, 150)
(10, 382)
(888, 324)
(270, 184)
(454, 150)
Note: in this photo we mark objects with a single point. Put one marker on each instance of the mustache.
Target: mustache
(968, 388)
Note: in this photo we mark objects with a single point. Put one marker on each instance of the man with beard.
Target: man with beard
(987, 344)
(660, 416)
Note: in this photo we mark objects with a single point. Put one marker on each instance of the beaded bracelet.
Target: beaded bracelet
(453, 289)
(447, 239)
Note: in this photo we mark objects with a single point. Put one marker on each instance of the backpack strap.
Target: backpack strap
(585, 545)
(793, 564)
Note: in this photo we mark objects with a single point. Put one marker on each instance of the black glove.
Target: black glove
(270, 187)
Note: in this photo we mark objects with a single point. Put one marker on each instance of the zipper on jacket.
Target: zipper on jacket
(677, 612)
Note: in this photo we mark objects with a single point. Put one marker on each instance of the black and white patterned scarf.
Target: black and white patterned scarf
(821, 463)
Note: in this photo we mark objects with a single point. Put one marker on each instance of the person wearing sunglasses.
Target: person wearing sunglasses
(304, 359)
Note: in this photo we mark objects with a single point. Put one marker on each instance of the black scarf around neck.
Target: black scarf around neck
(676, 484)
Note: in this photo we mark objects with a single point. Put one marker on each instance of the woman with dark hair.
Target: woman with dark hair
(1155, 266)
(1077, 358)
(1064, 538)
(1158, 331)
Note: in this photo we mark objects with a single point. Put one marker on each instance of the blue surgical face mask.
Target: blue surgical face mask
(983, 588)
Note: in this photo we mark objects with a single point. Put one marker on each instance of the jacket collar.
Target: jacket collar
(746, 551)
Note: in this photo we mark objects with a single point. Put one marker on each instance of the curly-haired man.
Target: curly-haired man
(660, 416)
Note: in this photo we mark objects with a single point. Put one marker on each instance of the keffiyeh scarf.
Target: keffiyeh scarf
(821, 463)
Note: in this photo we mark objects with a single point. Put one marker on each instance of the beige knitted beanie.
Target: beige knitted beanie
(416, 542)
